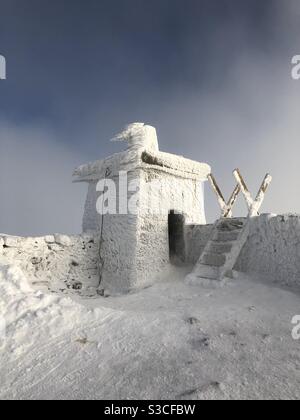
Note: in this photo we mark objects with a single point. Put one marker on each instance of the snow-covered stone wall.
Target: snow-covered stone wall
(159, 195)
(55, 262)
(136, 250)
(134, 247)
(273, 249)
(118, 241)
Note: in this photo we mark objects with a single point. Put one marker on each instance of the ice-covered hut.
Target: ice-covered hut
(139, 200)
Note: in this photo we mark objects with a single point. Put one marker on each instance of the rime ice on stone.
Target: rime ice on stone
(139, 136)
(137, 247)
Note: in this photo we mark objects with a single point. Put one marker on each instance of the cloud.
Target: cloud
(250, 120)
(36, 193)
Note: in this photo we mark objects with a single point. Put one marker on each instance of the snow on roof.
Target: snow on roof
(142, 152)
(179, 164)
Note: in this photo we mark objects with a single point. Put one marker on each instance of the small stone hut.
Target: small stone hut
(138, 201)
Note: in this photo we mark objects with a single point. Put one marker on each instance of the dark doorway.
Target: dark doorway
(176, 238)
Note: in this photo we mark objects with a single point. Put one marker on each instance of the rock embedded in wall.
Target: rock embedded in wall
(11, 241)
(63, 240)
(49, 239)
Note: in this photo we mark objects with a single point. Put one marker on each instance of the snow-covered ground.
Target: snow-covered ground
(168, 341)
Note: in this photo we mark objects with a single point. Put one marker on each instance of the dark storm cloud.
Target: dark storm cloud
(212, 76)
(68, 57)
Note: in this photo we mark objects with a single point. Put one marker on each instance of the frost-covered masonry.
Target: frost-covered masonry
(55, 262)
(61, 262)
(134, 247)
(273, 249)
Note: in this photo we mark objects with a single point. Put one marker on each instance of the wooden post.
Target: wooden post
(225, 207)
(260, 195)
(231, 202)
(217, 190)
(243, 187)
(253, 205)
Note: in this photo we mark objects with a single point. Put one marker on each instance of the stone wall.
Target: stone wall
(62, 263)
(159, 194)
(134, 247)
(273, 249)
(55, 262)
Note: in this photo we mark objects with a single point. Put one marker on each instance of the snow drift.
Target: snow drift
(168, 341)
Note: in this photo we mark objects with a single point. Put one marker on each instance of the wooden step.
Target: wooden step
(207, 271)
(226, 236)
(220, 247)
(233, 225)
(216, 260)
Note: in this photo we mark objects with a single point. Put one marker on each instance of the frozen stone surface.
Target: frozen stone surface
(273, 249)
(63, 240)
(134, 247)
(55, 266)
(11, 241)
(137, 254)
(49, 239)
(135, 158)
(139, 136)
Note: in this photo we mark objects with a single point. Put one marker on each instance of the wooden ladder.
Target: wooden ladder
(229, 234)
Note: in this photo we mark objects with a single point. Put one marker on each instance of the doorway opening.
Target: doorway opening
(176, 238)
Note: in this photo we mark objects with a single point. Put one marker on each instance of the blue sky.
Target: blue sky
(213, 76)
